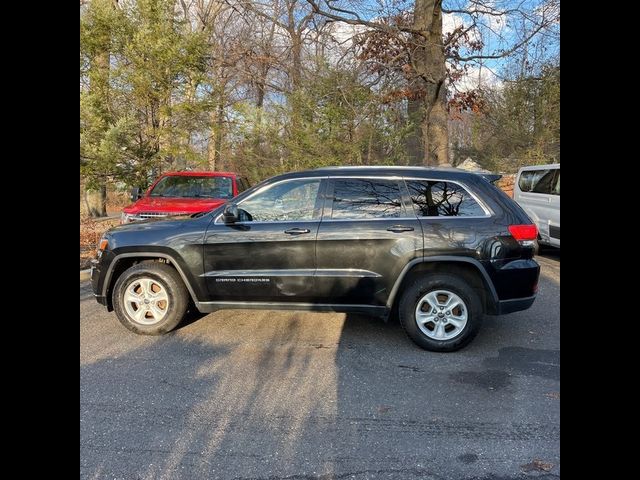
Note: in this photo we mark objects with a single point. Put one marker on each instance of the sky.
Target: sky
(496, 31)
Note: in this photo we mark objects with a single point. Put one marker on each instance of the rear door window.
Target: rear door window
(356, 199)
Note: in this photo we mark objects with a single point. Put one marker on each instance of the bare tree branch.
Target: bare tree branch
(503, 54)
(359, 21)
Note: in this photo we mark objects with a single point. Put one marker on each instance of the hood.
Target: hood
(173, 205)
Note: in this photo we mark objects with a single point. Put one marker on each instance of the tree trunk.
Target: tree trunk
(96, 201)
(99, 84)
(428, 109)
(220, 135)
(413, 142)
(295, 69)
(212, 148)
(295, 36)
(261, 89)
(260, 94)
(163, 133)
(215, 141)
(296, 60)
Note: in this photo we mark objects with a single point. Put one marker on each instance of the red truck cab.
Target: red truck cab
(184, 193)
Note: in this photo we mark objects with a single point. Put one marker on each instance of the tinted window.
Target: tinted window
(442, 199)
(556, 188)
(353, 199)
(241, 184)
(193, 187)
(546, 183)
(286, 201)
(538, 181)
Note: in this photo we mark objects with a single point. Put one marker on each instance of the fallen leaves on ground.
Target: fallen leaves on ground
(90, 233)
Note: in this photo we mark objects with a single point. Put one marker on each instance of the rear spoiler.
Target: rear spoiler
(491, 177)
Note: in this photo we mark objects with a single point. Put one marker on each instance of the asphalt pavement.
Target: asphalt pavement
(263, 395)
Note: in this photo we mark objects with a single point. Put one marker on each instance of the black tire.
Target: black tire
(166, 277)
(424, 285)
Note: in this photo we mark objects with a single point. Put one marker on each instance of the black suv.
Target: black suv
(442, 246)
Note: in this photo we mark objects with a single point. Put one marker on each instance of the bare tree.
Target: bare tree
(226, 33)
(411, 42)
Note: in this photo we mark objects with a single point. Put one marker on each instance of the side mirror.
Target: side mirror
(136, 194)
(230, 213)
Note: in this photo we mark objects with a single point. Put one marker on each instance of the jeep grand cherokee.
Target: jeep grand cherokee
(441, 247)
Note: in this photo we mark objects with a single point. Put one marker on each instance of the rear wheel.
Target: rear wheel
(440, 313)
(150, 298)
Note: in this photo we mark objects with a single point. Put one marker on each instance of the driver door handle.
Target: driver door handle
(400, 228)
(297, 231)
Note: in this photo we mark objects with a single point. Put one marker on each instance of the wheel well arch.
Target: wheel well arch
(469, 270)
(124, 261)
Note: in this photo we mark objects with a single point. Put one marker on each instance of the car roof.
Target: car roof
(202, 173)
(386, 170)
(539, 167)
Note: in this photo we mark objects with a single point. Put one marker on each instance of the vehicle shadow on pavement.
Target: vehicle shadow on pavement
(267, 395)
(550, 253)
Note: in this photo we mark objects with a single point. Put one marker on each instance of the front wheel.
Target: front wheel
(440, 313)
(150, 298)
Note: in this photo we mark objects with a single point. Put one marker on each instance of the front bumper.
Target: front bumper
(101, 299)
(96, 283)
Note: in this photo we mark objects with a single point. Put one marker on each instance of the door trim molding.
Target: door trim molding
(294, 272)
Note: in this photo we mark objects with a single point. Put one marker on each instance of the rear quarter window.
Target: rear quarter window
(442, 199)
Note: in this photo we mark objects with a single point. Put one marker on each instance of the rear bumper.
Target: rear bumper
(514, 304)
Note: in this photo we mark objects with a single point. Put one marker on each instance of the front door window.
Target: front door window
(295, 200)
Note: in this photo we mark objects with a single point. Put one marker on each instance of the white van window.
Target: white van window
(539, 181)
(556, 189)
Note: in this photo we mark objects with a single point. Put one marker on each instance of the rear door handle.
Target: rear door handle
(400, 228)
(297, 231)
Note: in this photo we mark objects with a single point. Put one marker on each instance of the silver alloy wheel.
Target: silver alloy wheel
(146, 301)
(441, 315)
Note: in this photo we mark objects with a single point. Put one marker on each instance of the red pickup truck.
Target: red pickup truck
(183, 193)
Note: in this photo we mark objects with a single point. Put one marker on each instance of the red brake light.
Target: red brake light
(524, 232)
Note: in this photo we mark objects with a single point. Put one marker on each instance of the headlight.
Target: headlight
(126, 218)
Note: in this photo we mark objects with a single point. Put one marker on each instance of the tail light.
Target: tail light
(524, 234)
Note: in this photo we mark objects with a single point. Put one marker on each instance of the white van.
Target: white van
(537, 191)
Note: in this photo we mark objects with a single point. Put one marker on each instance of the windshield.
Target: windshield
(193, 187)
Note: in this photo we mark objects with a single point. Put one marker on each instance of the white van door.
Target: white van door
(537, 191)
(554, 214)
